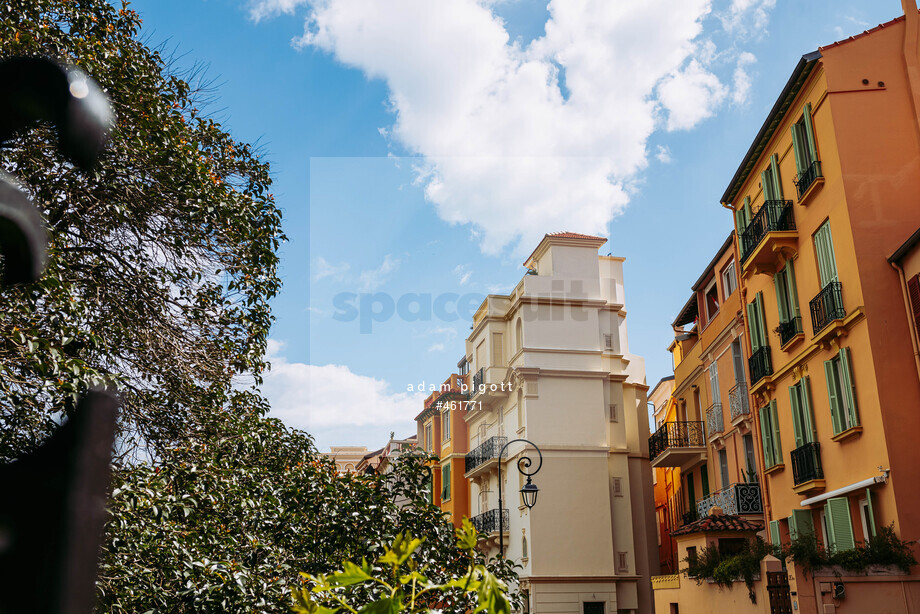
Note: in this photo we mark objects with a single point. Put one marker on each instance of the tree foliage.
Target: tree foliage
(227, 525)
(162, 259)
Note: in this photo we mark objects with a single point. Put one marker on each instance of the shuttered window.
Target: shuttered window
(800, 524)
(757, 322)
(704, 478)
(839, 524)
(802, 421)
(787, 299)
(803, 141)
(824, 251)
(445, 482)
(774, 533)
(723, 468)
(770, 181)
(841, 393)
(769, 431)
(743, 216)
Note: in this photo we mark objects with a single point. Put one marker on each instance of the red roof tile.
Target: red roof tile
(722, 522)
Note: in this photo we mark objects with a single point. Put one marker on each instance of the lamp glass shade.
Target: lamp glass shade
(529, 493)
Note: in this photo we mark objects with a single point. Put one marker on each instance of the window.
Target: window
(757, 322)
(723, 468)
(445, 482)
(593, 607)
(787, 300)
(774, 533)
(822, 516)
(714, 382)
(445, 425)
(738, 361)
(803, 143)
(519, 334)
(691, 555)
(769, 430)
(840, 391)
(751, 469)
(464, 367)
(729, 280)
(704, 480)
(839, 525)
(743, 217)
(802, 421)
(711, 299)
(523, 546)
(428, 438)
(691, 496)
(867, 516)
(824, 252)
(770, 181)
(801, 523)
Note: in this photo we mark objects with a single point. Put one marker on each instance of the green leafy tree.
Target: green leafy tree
(162, 259)
(227, 525)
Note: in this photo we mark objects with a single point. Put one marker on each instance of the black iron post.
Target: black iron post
(529, 491)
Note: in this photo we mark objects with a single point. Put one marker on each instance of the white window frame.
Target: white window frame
(729, 283)
(709, 286)
(445, 425)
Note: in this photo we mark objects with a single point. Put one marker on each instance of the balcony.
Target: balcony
(489, 384)
(715, 425)
(827, 307)
(760, 364)
(771, 233)
(807, 473)
(485, 455)
(738, 401)
(487, 522)
(478, 378)
(677, 443)
(789, 329)
(736, 499)
(807, 179)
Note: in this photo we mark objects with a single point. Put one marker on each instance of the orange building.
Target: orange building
(824, 197)
(442, 432)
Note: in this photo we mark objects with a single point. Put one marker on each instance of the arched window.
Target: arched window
(519, 334)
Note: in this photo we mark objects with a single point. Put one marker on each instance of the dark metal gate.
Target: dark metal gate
(778, 591)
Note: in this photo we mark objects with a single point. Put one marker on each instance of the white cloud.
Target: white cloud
(437, 347)
(313, 397)
(260, 9)
(663, 154)
(502, 148)
(323, 269)
(374, 278)
(747, 17)
(741, 80)
(463, 275)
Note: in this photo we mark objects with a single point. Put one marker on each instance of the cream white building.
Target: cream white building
(551, 364)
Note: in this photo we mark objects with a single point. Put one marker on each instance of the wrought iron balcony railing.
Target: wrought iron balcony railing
(738, 400)
(714, 422)
(789, 329)
(676, 435)
(478, 378)
(760, 364)
(806, 463)
(485, 451)
(807, 177)
(736, 499)
(772, 216)
(827, 306)
(487, 522)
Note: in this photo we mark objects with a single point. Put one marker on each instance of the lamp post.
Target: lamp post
(529, 492)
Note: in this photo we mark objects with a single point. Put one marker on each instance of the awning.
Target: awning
(879, 479)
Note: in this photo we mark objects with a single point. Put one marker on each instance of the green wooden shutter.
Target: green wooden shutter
(839, 525)
(792, 289)
(753, 328)
(781, 289)
(766, 436)
(739, 222)
(777, 183)
(810, 134)
(824, 248)
(777, 445)
(846, 386)
(774, 533)
(871, 518)
(798, 148)
(766, 180)
(445, 482)
(800, 524)
(797, 426)
(830, 375)
(762, 318)
(808, 421)
(704, 477)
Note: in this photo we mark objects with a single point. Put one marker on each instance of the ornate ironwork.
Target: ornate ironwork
(478, 378)
(773, 215)
(485, 451)
(760, 364)
(523, 466)
(743, 498)
(52, 512)
(806, 463)
(714, 422)
(676, 435)
(827, 306)
(789, 329)
(738, 400)
(807, 177)
(491, 521)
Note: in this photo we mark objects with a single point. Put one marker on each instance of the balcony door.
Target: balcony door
(824, 251)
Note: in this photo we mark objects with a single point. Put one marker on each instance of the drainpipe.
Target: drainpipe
(910, 315)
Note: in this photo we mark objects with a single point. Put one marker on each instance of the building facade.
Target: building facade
(550, 364)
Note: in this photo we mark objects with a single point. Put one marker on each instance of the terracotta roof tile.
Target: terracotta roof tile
(866, 32)
(722, 522)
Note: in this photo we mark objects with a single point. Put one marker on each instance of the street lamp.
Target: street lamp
(529, 492)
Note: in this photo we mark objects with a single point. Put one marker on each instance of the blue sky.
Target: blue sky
(420, 148)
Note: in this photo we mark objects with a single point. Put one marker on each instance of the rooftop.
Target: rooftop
(719, 522)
